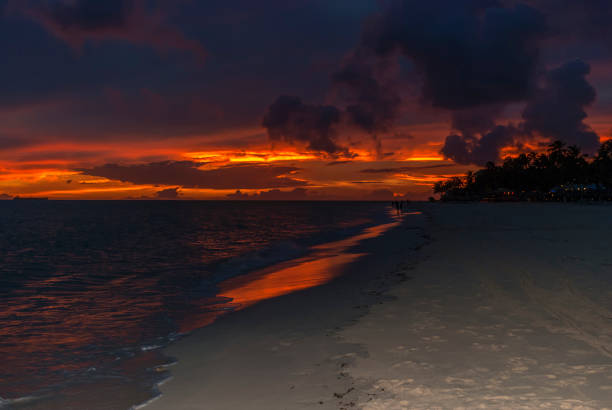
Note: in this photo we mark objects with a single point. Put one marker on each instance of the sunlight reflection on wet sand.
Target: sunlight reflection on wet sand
(321, 266)
(325, 263)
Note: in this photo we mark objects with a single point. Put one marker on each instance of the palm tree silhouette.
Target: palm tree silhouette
(559, 174)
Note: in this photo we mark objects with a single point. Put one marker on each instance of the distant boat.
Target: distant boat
(30, 198)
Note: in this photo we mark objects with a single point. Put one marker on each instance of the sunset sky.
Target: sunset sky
(290, 99)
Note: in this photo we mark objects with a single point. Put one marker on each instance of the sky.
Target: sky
(291, 99)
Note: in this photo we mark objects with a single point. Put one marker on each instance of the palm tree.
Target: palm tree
(533, 176)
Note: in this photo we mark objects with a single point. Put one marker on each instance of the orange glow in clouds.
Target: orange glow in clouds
(50, 169)
(250, 156)
(426, 158)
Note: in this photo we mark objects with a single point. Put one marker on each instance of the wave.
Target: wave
(261, 258)
(145, 278)
(7, 403)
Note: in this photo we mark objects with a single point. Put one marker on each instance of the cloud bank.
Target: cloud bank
(473, 58)
(187, 174)
(136, 21)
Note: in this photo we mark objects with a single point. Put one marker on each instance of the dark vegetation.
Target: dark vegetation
(562, 173)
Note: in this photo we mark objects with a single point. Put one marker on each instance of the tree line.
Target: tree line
(562, 173)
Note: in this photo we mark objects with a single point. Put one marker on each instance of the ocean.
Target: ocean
(91, 290)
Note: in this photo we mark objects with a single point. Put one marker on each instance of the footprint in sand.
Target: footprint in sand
(434, 339)
(406, 363)
(521, 364)
(459, 380)
(402, 349)
(343, 356)
(489, 347)
(392, 385)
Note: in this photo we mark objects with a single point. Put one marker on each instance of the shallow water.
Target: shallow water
(91, 289)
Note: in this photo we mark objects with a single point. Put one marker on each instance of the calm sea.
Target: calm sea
(90, 290)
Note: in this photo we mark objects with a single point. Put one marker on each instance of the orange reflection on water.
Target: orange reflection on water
(57, 330)
(323, 265)
(293, 276)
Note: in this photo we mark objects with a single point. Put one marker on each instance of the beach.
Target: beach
(90, 302)
(463, 306)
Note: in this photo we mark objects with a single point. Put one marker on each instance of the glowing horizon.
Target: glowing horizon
(118, 111)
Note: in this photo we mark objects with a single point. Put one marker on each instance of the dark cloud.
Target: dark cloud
(266, 50)
(373, 106)
(399, 136)
(329, 164)
(142, 113)
(170, 193)
(470, 57)
(90, 15)
(474, 57)
(468, 149)
(139, 22)
(289, 119)
(476, 120)
(272, 195)
(584, 20)
(13, 142)
(5, 197)
(479, 138)
(557, 110)
(468, 53)
(402, 169)
(188, 175)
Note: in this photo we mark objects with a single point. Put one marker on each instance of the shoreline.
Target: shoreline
(237, 291)
(237, 362)
(509, 306)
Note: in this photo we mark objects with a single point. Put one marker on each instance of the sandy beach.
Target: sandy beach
(463, 306)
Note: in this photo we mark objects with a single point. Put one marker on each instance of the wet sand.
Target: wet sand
(284, 353)
(507, 306)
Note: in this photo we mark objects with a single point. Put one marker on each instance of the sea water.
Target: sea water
(90, 290)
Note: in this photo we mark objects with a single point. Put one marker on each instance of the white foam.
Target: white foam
(146, 348)
(5, 403)
(166, 365)
(146, 403)
(164, 381)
